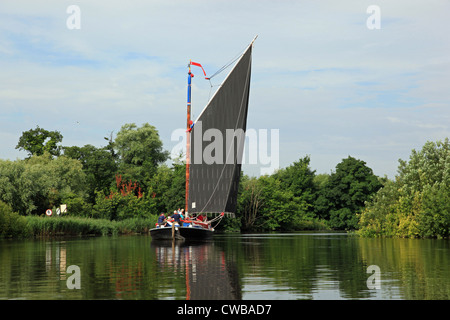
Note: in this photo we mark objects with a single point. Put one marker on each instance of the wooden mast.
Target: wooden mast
(188, 138)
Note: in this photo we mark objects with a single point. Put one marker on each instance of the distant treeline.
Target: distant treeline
(129, 179)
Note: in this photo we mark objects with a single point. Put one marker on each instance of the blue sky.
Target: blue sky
(330, 85)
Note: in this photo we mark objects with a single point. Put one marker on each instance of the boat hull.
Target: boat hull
(181, 233)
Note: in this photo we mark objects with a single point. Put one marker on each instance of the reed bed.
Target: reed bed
(74, 226)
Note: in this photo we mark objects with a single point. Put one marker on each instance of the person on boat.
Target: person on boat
(176, 217)
(181, 212)
(185, 219)
(201, 218)
(162, 221)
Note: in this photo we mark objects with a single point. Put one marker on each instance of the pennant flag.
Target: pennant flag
(199, 65)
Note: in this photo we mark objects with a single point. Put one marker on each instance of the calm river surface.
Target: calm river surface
(249, 267)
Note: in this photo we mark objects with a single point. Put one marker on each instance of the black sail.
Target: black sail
(217, 142)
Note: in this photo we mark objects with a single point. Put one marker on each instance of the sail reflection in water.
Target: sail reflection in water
(208, 274)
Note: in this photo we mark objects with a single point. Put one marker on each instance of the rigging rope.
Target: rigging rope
(226, 65)
(223, 68)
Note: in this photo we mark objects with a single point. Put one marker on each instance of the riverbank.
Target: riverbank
(75, 226)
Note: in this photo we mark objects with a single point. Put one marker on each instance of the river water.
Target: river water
(232, 266)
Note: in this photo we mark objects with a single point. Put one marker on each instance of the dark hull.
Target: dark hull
(181, 233)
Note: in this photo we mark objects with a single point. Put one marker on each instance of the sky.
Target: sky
(332, 78)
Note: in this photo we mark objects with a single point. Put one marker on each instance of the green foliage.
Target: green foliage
(321, 180)
(417, 203)
(230, 224)
(379, 213)
(434, 218)
(77, 206)
(99, 166)
(140, 151)
(38, 141)
(33, 185)
(121, 207)
(296, 199)
(282, 201)
(298, 179)
(250, 202)
(282, 208)
(345, 192)
(15, 189)
(167, 189)
(137, 225)
(11, 223)
(74, 226)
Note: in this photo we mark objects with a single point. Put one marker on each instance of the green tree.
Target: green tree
(320, 180)
(321, 204)
(379, 214)
(345, 193)
(176, 193)
(140, 151)
(31, 186)
(38, 141)
(298, 178)
(14, 189)
(417, 203)
(282, 209)
(281, 201)
(99, 166)
(250, 202)
(167, 189)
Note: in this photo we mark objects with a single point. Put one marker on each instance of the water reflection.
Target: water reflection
(208, 274)
(55, 258)
(335, 266)
(262, 267)
(414, 268)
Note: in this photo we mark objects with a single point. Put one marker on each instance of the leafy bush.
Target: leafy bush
(417, 203)
(11, 223)
(118, 207)
(33, 185)
(76, 205)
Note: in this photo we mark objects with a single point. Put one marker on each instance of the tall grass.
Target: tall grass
(74, 226)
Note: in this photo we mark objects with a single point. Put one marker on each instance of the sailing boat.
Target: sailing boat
(213, 169)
